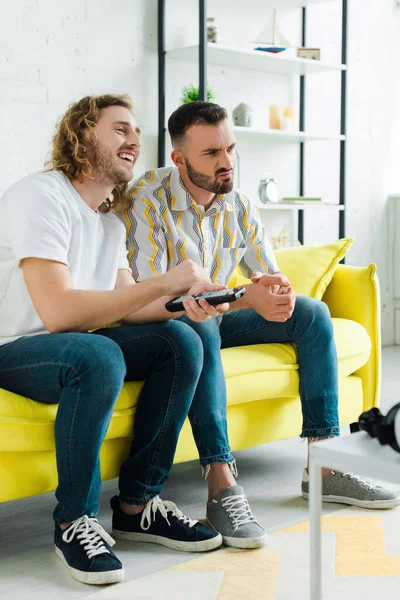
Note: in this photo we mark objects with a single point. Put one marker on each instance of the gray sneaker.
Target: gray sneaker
(347, 488)
(230, 514)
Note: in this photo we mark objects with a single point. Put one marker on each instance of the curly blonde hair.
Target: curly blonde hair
(69, 147)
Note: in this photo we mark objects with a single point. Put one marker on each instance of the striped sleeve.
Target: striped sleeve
(259, 255)
(147, 245)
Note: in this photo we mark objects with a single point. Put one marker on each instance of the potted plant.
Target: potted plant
(190, 93)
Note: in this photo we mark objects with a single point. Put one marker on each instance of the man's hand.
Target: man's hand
(273, 305)
(277, 289)
(182, 277)
(203, 311)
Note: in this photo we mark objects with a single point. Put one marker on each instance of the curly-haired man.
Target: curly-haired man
(64, 273)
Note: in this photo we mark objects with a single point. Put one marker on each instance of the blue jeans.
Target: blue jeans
(181, 364)
(84, 373)
(310, 328)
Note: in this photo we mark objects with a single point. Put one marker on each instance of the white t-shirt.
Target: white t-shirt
(43, 216)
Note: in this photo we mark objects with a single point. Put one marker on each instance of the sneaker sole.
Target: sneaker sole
(378, 504)
(242, 542)
(203, 546)
(92, 578)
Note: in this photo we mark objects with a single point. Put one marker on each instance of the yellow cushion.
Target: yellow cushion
(309, 268)
(271, 370)
(253, 373)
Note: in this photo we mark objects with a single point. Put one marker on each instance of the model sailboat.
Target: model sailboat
(271, 38)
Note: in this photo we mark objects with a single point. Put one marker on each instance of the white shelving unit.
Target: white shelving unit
(283, 4)
(283, 64)
(291, 137)
(304, 206)
(256, 60)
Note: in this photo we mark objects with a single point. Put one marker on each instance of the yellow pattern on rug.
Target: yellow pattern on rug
(360, 552)
(360, 545)
(248, 573)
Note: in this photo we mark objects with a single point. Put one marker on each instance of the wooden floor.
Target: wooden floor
(270, 475)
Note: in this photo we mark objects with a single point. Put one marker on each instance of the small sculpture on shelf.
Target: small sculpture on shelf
(271, 38)
(212, 31)
(283, 239)
(243, 115)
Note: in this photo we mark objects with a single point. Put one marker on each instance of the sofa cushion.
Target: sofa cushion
(271, 370)
(253, 373)
(309, 268)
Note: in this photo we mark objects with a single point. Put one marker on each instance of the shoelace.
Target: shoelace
(360, 480)
(238, 510)
(165, 507)
(90, 535)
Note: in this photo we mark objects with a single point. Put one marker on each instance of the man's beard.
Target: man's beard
(104, 167)
(205, 182)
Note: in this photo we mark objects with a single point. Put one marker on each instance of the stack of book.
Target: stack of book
(302, 200)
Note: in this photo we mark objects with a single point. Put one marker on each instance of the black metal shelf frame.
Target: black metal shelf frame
(203, 96)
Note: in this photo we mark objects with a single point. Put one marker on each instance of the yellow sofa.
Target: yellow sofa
(263, 402)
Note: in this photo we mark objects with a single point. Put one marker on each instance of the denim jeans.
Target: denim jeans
(84, 373)
(310, 328)
(181, 363)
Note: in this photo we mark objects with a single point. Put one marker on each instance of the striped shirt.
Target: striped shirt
(165, 226)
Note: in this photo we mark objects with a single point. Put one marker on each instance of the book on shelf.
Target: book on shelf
(302, 200)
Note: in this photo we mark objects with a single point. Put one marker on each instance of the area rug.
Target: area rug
(361, 559)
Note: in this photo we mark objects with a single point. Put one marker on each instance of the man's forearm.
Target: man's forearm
(81, 310)
(154, 312)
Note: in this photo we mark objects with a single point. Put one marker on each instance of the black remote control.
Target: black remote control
(213, 298)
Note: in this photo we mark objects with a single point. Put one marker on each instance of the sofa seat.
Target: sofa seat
(262, 385)
(253, 373)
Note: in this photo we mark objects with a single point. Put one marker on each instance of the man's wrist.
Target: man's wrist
(157, 287)
(245, 301)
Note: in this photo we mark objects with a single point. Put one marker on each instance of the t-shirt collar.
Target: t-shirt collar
(80, 201)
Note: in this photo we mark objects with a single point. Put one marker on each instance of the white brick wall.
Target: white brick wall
(374, 109)
(53, 52)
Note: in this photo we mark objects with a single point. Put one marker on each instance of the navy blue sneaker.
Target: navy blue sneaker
(163, 523)
(85, 549)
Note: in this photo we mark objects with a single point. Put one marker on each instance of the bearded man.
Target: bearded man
(193, 211)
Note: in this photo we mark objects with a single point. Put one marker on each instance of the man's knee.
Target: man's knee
(208, 331)
(102, 355)
(184, 343)
(314, 313)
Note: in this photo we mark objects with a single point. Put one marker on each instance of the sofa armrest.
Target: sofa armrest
(354, 294)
